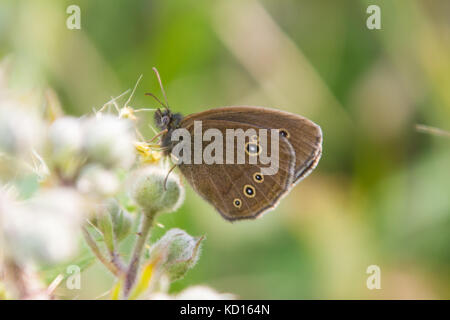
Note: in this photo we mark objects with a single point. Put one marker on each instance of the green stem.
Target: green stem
(146, 224)
(96, 250)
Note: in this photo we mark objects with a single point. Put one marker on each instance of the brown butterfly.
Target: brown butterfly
(241, 191)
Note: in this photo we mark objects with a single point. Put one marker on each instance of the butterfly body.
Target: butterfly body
(240, 190)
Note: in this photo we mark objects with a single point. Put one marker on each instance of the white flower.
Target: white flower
(160, 296)
(21, 130)
(44, 228)
(110, 141)
(65, 136)
(96, 180)
(193, 293)
(203, 293)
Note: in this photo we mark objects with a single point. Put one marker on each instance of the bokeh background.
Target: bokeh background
(381, 193)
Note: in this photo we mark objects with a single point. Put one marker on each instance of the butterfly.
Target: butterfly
(240, 190)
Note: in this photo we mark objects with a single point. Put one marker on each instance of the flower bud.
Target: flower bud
(151, 196)
(178, 252)
(114, 222)
(108, 140)
(121, 219)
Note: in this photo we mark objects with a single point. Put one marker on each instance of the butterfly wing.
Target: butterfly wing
(303, 134)
(240, 191)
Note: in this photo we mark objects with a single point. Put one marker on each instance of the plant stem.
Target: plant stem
(146, 224)
(95, 249)
(432, 130)
(117, 261)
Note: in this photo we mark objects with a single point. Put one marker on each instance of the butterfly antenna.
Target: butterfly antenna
(162, 88)
(156, 98)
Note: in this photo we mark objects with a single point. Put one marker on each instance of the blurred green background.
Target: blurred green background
(381, 193)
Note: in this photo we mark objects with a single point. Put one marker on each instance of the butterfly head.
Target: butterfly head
(166, 120)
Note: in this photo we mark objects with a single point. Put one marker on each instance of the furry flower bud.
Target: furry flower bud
(121, 219)
(153, 193)
(178, 252)
(114, 222)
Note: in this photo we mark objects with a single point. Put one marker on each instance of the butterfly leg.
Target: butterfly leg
(167, 176)
(158, 135)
